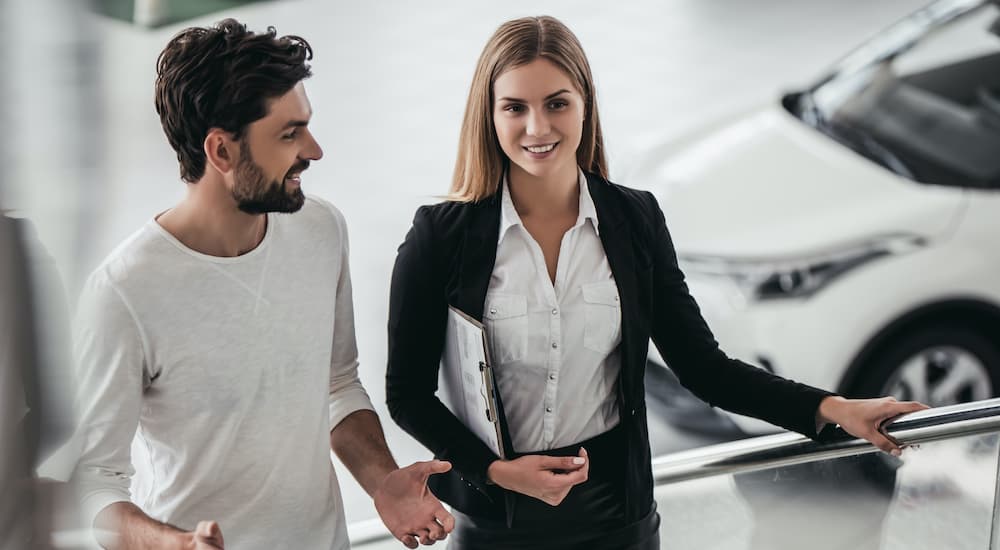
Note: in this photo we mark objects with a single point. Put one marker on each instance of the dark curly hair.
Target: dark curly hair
(222, 77)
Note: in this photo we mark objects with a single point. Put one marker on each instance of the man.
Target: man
(223, 331)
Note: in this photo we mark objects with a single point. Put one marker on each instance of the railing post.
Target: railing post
(995, 531)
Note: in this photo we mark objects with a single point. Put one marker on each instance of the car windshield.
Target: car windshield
(921, 99)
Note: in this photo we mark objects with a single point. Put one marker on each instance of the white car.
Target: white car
(847, 236)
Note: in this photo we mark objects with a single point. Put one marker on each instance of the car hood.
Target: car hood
(768, 186)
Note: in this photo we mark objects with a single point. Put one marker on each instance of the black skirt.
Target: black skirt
(591, 516)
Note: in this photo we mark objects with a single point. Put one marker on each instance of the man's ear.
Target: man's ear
(220, 150)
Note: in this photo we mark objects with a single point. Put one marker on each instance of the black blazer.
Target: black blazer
(448, 257)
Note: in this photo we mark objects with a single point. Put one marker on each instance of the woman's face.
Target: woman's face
(538, 116)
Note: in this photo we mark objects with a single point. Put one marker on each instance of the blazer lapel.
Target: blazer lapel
(477, 257)
(616, 236)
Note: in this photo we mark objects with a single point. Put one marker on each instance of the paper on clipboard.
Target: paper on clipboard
(466, 379)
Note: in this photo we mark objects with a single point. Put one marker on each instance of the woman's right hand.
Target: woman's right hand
(547, 478)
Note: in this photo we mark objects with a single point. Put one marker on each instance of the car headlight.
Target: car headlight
(769, 279)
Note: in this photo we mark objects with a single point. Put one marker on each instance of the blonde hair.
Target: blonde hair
(481, 163)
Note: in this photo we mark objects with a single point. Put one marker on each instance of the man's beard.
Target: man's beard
(254, 194)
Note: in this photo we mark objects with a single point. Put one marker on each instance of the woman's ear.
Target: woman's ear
(220, 150)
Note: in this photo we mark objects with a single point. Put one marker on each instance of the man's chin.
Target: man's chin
(286, 204)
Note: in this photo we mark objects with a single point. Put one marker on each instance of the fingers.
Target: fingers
(424, 536)
(571, 478)
(431, 467)
(907, 407)
(436, 532)
(567, 463)
(209, 532)
(409, 541)
(446, 520)
(894, 410)
(884, 443)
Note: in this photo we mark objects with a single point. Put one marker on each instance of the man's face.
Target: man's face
(274, 152)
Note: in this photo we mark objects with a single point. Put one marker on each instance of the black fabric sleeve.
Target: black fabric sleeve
(686, 343)
(418, 310)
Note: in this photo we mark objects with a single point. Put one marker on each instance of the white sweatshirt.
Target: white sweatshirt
(234, 371)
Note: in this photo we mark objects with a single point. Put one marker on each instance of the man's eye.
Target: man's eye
(290, 135)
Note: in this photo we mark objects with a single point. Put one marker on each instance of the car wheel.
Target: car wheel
(938, 366)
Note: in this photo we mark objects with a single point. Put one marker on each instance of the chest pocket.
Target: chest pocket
(603, 316)
(506, 320)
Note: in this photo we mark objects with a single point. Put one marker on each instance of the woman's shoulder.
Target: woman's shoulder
(445, 224)
(630, 201)
(450, 214)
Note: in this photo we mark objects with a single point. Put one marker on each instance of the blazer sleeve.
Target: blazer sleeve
(418, 311)
(686, 343)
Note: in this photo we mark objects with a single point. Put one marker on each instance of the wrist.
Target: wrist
(829, 408)
(494, 471)
(182, 540)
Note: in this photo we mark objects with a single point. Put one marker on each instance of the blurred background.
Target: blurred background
(86, 163)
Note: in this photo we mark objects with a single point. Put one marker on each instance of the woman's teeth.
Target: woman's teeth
(541, 148)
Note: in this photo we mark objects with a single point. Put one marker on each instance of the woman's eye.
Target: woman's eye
(556, 105)
(514, 108)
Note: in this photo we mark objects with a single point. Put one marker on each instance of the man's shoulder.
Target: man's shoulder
(320, 214)
(126, 268)
(140, 253)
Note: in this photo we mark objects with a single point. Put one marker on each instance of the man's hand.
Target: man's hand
(864, 417)
(409, 509)
(206, 536)
(122, 525)
(547, 478)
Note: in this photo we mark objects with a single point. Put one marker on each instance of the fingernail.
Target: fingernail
(578, 460)
(895, 452)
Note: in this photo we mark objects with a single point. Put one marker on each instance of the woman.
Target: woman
(571, 275)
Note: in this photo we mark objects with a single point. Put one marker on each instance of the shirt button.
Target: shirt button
(552, 377)
(555, 311)
(493, 311)
(548, 409)
(555, 345)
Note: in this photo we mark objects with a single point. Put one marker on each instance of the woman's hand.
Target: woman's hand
(864, 417)
(547, 478)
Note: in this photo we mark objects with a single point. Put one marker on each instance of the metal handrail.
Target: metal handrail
(786, 449)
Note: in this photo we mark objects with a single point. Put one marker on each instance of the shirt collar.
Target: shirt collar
(509, 216)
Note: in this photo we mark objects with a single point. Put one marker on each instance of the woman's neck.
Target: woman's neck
(554, 194)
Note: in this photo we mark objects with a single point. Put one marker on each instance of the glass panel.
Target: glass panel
(937, 496)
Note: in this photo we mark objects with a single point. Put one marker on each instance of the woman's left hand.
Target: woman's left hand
(864, 417)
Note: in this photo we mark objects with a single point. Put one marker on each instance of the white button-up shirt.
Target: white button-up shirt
(554, 346)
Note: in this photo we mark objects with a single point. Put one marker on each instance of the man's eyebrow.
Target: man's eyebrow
(295, 124)
(548, 97)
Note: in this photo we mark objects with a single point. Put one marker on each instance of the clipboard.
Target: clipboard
(467, 383)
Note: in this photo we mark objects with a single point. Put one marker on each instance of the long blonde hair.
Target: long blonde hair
(481, 162)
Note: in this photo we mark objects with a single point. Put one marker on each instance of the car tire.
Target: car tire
(938, 365)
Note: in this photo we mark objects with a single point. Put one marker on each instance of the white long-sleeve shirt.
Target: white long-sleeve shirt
(234, 371)
(554, 346)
